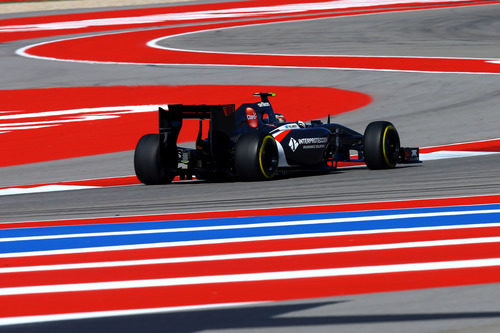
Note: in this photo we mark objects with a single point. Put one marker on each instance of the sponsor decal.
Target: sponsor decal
(252, 117)
(287, 127)
(314, 146)
(313, 143)
(263, 104)
(307, 141)
(293, 144)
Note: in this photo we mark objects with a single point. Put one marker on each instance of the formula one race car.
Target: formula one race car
(254, 143)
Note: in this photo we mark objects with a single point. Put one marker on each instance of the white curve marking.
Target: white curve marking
(238, 240)
(70, 116)
(250, 277)
(254, 225)
(43, 189)
(295, 8)
(153, 44)
(446, 154)
(461, 143)
(252, 255)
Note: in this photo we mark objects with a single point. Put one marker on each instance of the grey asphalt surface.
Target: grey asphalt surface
(451, 177)
(457, 309)
(427, 109)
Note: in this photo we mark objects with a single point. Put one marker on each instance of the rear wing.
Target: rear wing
(170, 119)
(194, 111)
(221, 125)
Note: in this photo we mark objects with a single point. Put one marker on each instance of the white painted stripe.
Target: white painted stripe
(251, 255)
(208, 14)
(81, 112)
(445, 154)
(256, 225)
(462, 143)
(115, 313)
(24, 53)
(249, 277)
(236, 240)
(42, 189)
(154, 43)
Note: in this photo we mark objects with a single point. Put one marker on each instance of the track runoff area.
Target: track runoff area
(89, 268)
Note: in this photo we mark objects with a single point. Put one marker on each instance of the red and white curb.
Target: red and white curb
(100, 267)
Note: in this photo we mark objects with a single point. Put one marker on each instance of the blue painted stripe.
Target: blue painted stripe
(134, 226)
(98, 241)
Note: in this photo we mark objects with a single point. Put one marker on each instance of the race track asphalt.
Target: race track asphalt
(428, 109)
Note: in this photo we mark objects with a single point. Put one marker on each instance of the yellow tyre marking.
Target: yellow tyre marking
(387, 162)
(261, 150)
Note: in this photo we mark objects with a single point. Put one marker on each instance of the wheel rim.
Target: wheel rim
(268, 157)
(390, 146)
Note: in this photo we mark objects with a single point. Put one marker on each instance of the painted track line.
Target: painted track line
(250, 255)
(188, 282)
(210, 279)
(263, 246)
(249, 291)
(252, 270)
(135, 52)
(238, 232)
(51, 234)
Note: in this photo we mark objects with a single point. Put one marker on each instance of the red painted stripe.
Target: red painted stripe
(419, 203)
(131, 48)
(12, 36)
(256, 265)
(113, 14)
(492, 145)
(254, 246)
(114, 181)
(104, 300)
(121, 132)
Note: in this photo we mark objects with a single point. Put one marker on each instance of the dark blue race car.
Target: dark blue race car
(253, 142)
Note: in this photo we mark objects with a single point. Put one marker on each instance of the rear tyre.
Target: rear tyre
(256, 157)
(381, 145)
(148, 164)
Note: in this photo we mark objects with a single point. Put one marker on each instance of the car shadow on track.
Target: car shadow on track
(247, 317)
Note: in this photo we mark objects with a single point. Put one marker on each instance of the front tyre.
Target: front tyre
(381, 145)
(256, 157)
(148, 164)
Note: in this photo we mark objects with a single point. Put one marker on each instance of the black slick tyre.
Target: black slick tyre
(148, 164)
(381, 145)
(256, 157)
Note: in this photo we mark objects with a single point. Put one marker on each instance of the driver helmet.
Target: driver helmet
(280, 118)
